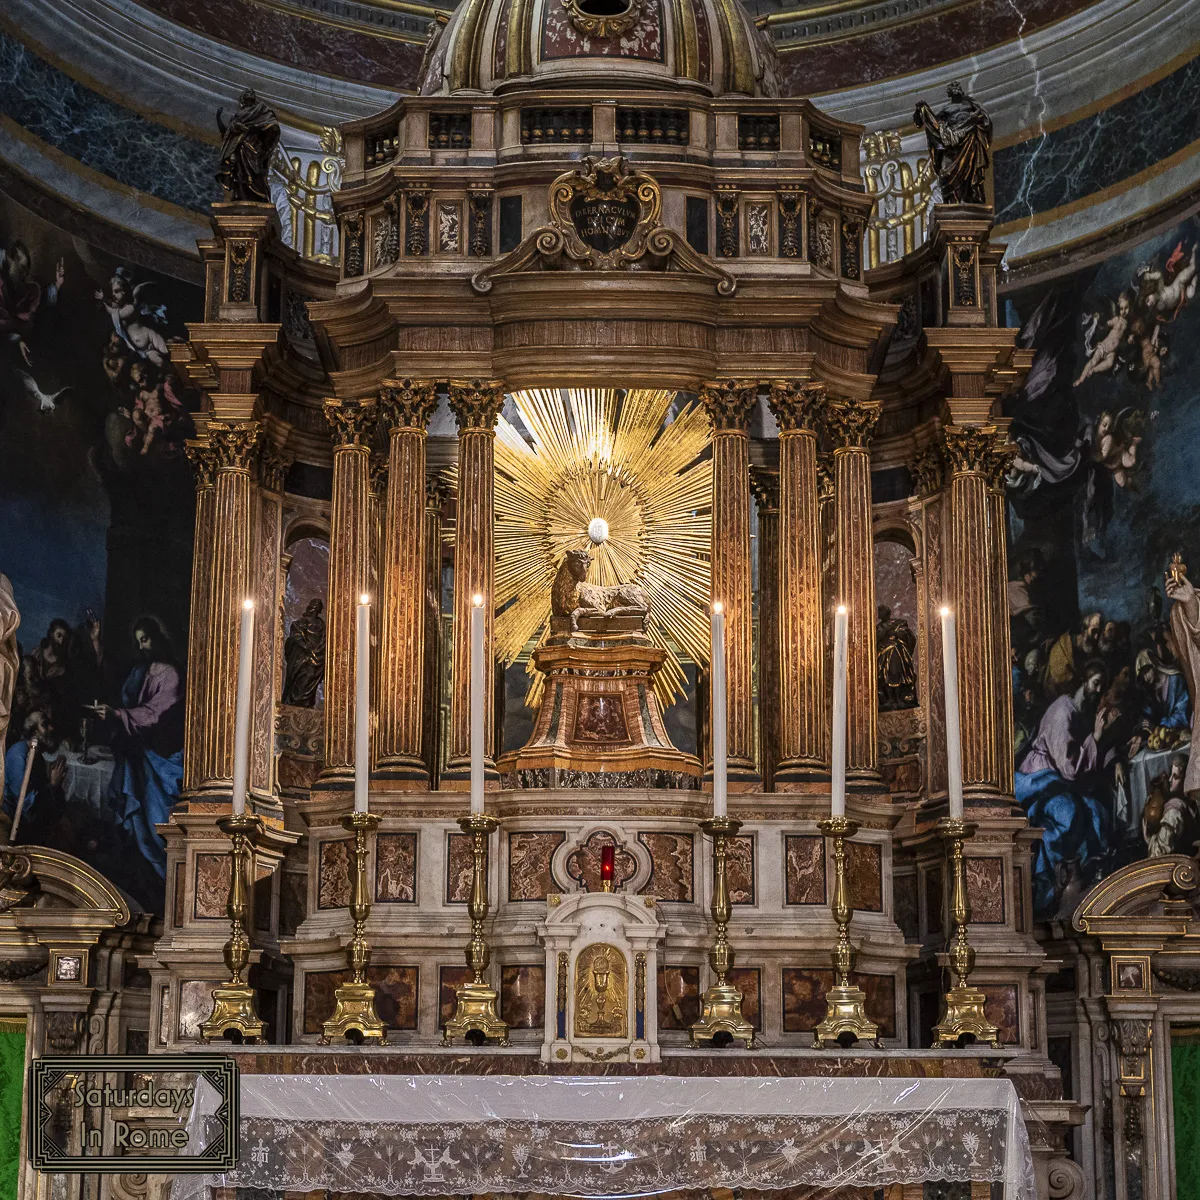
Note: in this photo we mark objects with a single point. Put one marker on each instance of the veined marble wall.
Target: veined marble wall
(96, 514)
(1106, 630)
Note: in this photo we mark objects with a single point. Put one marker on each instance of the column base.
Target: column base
(335, 779)
(801, 775)
(457, 776)
(864, 779)
(401, 773)
(740, 773)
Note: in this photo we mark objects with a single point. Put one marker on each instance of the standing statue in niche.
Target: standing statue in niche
(895, 644)
(960, 140)
(249, 143)
(304, 657)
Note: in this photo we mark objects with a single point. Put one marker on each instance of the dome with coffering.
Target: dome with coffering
(710, 46)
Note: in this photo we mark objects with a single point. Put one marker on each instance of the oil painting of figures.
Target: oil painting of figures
(1104, 554)
(96, 513)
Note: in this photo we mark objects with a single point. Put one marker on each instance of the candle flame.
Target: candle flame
(247, 604)
(944, 611)
(364, 599)
(718, 607)
(841, 610)
(477, 600)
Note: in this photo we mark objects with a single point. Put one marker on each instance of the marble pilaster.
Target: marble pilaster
(353, 423)
(476, 404)
(766, 495)
(730, 405)
(803, 706)
(407, 405)
(431, 729)
(204, 467)
(851, 424)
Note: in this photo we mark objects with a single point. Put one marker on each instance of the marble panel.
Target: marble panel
(804, 999)
(600, 719)
(450, 979)
(396, 992)
(333, 876)
(460, 867)
(748, 981)
(985, 888)
(212, 886)
(583, 865)
(673, 859)
(293, 902)
(101, 134)
(396, 868)
(523, 996)
(164, 1014)
(1003, 1008)
(326, 48)
(560, 38)
(934, 899)
(1100, 150)
(739, 869)
(195, 1007)
(864, 876)
(529, 854)
(804, 858)
(904, 905)
(177, 895)
(678, 997)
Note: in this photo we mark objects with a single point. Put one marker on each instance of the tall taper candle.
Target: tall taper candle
(478, 691)
(838, 773)
(362, 704)
(953, 736)
(241, 727)
(719, 710)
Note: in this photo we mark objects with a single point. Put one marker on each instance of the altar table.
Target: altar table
(616, 1136)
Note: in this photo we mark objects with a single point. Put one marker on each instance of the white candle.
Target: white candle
(241, 724)
(720, 720)
(362, 704)
(953, 737)
(838, 773)
(478, 691)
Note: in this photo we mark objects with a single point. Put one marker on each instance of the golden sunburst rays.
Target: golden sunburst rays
(620, 457)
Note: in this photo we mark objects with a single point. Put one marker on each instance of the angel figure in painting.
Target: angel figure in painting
(960, 139)
(1165, 292)
(1116, 443)
(1102, 355)
(138, 319)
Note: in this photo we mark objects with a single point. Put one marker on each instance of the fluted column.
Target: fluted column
(431, 729)
(476, 405)
(803, 705)
(729, 407)
(353, 423)
(976, 553)
(204, 467)
(1001, 459)
(406, 405)
(234, 447)
(765, 485)
(850, 425)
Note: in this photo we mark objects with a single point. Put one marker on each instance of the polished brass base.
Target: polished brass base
(721, 1013)
(475, 1012)
(845, 1018)
(232, 1013)
(963, 1020)
(354, 1017)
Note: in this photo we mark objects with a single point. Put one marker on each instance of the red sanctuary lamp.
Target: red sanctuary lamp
(608, 866)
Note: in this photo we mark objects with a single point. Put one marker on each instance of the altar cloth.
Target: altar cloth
(616, 1136)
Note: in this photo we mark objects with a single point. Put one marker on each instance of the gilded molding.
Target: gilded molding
(476, 403)
(407, 403)
(353, 421)
(851, 424)
(970, 448)
(729, 403)
(234, 445)
(797, 406)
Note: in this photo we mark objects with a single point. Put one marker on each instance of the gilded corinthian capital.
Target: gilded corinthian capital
(273, 466)
(765, 486)
(204, 463)
(851, 423)
(353, 421)
(928, 470)
(234, 445)
(476, 403)
(407, 403)
(729, 402)
(797, 405)
(975, 449)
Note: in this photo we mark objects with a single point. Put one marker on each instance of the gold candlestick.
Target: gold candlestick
(721, 1019)
(963, 1020)
(354, 1016)
(845, 1016)
(475, 1010)
(233, 1016)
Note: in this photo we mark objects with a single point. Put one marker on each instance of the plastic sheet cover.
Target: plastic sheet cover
(617, 1136)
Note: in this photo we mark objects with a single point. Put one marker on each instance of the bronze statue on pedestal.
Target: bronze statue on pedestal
(249, 143)
(960, 139)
